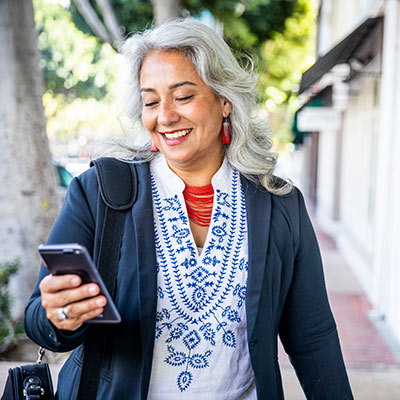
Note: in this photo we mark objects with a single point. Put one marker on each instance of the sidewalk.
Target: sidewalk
(373, 371)
(27, 354)
(372, 367)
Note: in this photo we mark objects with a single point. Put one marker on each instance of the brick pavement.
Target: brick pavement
(362, 345)
(373, 371)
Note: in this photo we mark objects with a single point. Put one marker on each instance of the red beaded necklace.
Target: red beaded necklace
(199, 203)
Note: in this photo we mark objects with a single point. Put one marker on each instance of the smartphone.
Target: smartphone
(72, 258)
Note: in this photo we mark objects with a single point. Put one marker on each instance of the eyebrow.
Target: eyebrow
(174, 86)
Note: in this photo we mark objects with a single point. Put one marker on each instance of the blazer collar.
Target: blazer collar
(258, 207)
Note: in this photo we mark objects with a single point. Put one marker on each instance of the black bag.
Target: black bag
(29, 382)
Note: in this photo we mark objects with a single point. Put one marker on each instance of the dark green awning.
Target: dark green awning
(360, 45)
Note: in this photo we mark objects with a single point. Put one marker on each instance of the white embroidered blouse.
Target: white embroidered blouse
(200, 349)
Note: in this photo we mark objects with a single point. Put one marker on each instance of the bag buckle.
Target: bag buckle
(32, 388)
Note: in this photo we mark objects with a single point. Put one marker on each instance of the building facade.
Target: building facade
(355, 137)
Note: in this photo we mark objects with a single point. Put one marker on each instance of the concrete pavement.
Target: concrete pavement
(371, 356)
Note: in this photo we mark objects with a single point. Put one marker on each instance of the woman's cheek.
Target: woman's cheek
(146, 120)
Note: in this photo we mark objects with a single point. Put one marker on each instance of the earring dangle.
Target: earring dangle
(153, 147)
(226, 131)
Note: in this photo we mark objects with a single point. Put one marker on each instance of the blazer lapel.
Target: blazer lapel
(258, 207)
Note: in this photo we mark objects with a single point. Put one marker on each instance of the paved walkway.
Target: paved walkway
(373, 370)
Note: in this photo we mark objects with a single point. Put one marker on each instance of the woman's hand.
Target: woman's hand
(81, 302)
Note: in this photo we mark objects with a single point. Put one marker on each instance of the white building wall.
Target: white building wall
(326, 178)
(355, 237)
(368, 233)
(386, 297)
(341, 17)
(393, 314)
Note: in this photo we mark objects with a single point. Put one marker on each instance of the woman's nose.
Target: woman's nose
(167, 115)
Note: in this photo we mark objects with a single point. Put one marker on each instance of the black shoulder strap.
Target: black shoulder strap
(117, 182)
(118, 187)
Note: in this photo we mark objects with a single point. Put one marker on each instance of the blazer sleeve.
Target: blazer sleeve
(307, 327)
(75, 224)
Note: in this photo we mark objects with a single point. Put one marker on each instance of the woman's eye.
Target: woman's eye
(150, 104)
(184, 98)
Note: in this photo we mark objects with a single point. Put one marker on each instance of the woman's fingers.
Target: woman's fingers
(80, 303)
(67, 296)
(78, 309)
(77, 313)
(71, 324)
(52, 283)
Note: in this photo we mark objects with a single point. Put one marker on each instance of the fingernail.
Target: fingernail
(93, 289)
(75, 281)
(100, 302)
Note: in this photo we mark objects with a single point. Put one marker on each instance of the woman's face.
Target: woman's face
(181, 113)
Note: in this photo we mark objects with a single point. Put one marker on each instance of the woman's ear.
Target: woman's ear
(226, 107)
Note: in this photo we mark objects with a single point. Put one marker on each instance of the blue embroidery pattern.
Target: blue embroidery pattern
(201, 295)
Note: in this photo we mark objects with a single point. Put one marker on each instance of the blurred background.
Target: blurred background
(328, 83)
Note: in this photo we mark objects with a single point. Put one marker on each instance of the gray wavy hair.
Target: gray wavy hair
(250, 148)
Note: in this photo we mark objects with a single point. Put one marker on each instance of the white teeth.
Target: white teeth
(177, 134)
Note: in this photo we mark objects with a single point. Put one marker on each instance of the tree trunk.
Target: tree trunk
(28, 185)
(111, 22)
(89, 15)
(164, 10)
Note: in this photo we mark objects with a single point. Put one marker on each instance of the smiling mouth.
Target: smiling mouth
(177, 134)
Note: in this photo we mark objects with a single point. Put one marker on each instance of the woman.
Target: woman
(217, 257)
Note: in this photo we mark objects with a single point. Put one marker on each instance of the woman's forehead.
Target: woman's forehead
(167, 68)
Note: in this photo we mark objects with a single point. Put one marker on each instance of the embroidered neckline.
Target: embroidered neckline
(199, 203)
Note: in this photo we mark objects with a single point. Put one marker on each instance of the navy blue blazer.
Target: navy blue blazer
(286, 295)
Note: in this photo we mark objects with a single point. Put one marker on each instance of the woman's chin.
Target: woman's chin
(179, 158)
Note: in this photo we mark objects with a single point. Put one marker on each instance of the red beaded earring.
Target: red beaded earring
(226, 131)
(153, 147)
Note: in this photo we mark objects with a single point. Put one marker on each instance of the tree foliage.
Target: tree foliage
(287, 54)
(284, 58)
(80, 76)
(247, 23)
(74, 64)
(7, 269)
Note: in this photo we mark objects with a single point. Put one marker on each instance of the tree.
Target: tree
(28, 185)
(164, 10)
